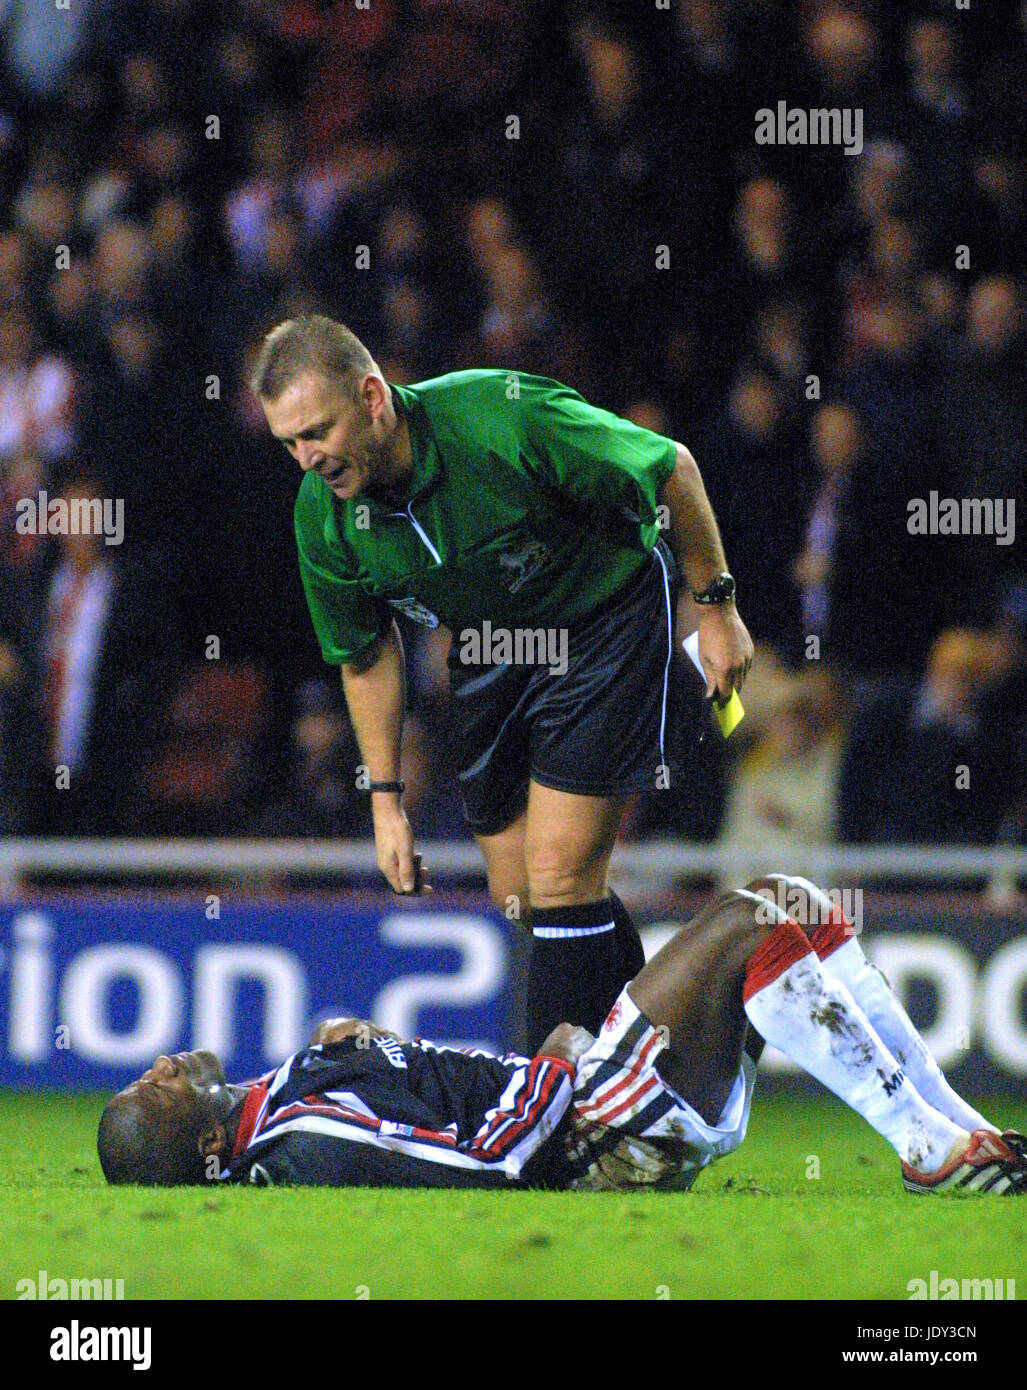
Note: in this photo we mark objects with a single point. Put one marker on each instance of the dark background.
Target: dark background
(387, 128)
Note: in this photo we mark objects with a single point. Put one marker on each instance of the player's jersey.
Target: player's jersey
(403, 1115)
(528, 508)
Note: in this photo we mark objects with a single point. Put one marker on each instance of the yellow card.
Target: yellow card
(730, 716)
(733, 712)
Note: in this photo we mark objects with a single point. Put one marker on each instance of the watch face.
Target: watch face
(719, 591)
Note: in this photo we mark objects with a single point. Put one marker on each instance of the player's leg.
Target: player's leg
(833, 938)
(750, 954)
(813, 1018)
(692, 988)
(584, 944)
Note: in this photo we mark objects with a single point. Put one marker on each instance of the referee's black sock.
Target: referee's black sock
(575, 971)
(629, 943)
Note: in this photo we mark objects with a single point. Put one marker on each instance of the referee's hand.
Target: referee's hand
(394, 843)
(725, 650)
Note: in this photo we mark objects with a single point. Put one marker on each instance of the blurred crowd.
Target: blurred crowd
(572, 189)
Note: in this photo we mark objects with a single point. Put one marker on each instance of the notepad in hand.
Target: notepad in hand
(730, 715)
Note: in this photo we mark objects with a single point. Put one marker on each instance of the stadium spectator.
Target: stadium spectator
(999, 218)
(407, 308)
(179, 276)
(1005, 708)
(751, 439)
(995, 350)
(22, 476)
(516, 325)
(781, 334)
(147, 430)
(38, 54)
(938, 298)
(96, 645)
(880, 185)
(17, 785)
(606, 215)
(921, 764)
(783, 794)
(487, 231)
(829, 608)
(36, 391)
(431, 799)
(891, 389)
(649, 414)
(253, 589)
(209, 768)
(982, 415)
(120, 267)
(889, 272)
(320, 798)
(763, 262)
(764, 249)
(15, 267)
(936, 126)
(267, 186)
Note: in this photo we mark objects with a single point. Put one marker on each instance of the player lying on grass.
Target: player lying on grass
(662, 1091)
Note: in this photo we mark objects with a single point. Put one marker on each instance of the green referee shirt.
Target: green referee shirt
(528, 507)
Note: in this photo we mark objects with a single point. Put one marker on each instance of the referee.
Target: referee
(525, 520)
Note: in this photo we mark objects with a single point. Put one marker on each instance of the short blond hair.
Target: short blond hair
(309, 343)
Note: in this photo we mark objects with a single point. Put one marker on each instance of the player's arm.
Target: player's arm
(534, 1099)
(725, 646)
(374, 684)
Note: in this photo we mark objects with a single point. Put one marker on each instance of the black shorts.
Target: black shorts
(605, 727)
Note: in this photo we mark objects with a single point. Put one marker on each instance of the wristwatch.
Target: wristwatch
(719, 590)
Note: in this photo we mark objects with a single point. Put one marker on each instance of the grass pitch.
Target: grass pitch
(759, 1224)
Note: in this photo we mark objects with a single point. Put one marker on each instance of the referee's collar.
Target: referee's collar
(424, 453)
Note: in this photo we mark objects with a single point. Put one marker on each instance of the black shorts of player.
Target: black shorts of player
(604, 726)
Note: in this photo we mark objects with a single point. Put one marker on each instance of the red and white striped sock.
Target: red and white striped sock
(815, 1021)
